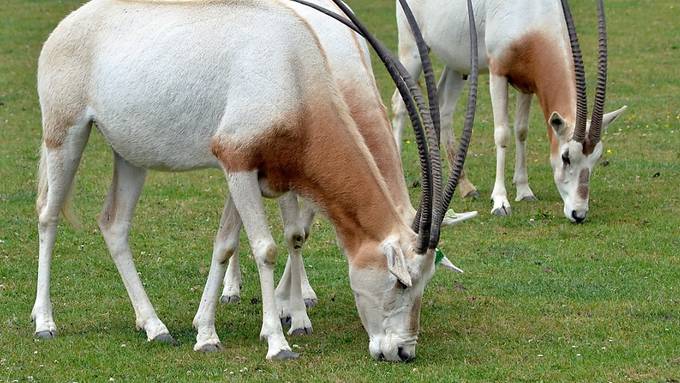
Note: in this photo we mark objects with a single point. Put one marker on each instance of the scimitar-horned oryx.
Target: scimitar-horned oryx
(243, 86)
(526, 44)
(349, 61)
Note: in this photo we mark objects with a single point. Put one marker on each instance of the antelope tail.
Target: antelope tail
(42, 180)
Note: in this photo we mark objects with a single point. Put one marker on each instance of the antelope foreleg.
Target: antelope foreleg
(499, 100)
(521, 177)
(225, 247)
(245, 191)
(289, 292)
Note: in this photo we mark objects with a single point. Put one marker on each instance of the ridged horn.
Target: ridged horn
(433, 136)
(600, 90)
(579, 70)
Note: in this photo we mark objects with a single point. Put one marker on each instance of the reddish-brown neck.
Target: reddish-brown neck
(341, 175)
(371, 120)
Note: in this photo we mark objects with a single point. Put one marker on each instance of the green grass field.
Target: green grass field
(541, 299)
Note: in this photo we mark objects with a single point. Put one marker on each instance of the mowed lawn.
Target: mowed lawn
(541, 299)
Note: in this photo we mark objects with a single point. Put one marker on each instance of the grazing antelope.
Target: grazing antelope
(243, 86)
(526, 44)
(349, 62)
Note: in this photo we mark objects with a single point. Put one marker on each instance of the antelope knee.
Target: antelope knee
(46, 220)
(111, 228)
(501, 135)
(521, 133)
(295, 236)
(265, 253)
(446, 114)
(225, 250)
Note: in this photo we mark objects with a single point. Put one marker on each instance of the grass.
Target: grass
(541, 299)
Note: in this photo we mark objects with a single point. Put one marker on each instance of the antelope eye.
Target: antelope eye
(565, 158)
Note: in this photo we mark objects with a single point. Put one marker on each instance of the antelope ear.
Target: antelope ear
(557, 123)
(610, 117)
(452, 218)
(396, 263)
(447, 264)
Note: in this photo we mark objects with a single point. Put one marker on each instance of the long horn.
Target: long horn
(579, 70)
(412, 96)
(600, 90)
(433, 137)
(465, 138)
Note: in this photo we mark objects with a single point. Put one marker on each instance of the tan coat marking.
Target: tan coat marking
(414, 321)
(534, 64)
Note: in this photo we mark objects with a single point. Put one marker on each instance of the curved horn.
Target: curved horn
(600, 90)
(579, 70)
(459, 161)
(433, 137)
(412, 96)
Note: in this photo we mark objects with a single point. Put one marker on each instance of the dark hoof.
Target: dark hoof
(530, 198)
(286, 321)
(286, 355)
(301, 332)
(230, 299)
(47, 334)
(473, 195)
(165, 338)
(210, 348)
(501, 211)
(309, 303)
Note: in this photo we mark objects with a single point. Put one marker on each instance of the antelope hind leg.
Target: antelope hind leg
(58, 166)
(114, 224)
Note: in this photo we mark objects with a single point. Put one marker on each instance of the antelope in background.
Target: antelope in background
(527, 44)
(209, 86)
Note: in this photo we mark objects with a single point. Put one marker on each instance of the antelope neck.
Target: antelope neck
(371, 120)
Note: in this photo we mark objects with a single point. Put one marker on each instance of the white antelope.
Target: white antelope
(243, 86)
(349, 62)
(526, 44)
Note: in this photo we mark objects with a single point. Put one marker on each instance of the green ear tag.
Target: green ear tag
(438, 256)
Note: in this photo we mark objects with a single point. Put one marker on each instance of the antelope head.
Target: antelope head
(579, 144)
(388, 277)
(388, 296)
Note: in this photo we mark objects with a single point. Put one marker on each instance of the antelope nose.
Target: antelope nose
(404, 355)
(579, 216)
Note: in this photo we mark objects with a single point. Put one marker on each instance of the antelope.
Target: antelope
(177, 86)
(349, 61)
(527, 44)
